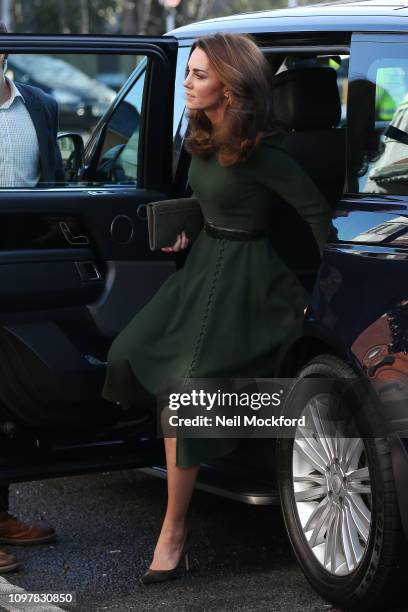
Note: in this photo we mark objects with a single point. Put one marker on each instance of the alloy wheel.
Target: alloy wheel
(332, 488)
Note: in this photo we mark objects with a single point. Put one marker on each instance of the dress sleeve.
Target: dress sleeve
(277, 170)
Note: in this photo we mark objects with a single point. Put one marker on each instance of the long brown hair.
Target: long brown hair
(241, 66)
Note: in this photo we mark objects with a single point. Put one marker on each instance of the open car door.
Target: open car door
(75, 264)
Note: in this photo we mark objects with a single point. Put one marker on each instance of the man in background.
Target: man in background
(29, 157)
(29, 153)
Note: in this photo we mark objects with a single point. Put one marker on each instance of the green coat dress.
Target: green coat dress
(228, 310)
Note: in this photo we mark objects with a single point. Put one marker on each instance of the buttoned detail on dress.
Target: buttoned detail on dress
(218, 264)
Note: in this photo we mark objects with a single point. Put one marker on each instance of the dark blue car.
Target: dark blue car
(84, 268)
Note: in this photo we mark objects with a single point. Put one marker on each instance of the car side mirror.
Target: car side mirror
(72, 147)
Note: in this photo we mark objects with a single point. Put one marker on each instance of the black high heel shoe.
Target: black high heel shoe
(151, 575)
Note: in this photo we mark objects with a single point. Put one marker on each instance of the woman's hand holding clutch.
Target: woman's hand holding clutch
(181, 243)
(169, 218)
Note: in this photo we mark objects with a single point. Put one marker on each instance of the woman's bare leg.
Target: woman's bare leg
(180, 486)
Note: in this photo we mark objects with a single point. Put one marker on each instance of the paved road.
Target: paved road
(108, 524)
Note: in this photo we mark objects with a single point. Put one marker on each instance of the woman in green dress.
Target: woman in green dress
(228, 310)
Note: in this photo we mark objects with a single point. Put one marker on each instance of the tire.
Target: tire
(343, 524)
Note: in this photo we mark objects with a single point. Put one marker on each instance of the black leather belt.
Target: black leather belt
(215, 231)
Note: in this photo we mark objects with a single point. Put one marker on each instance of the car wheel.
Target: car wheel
(337, 489)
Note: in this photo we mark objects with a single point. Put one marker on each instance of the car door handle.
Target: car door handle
(69, 236)
(88, 271)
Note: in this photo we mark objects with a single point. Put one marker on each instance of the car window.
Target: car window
(83, 95)
(379, 119)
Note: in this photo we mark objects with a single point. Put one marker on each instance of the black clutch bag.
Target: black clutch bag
(167, 218)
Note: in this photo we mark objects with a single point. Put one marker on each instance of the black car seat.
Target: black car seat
(307, 101)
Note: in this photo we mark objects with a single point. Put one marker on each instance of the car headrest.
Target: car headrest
(308, 98)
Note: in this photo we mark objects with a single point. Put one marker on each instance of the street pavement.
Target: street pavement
(107, 527)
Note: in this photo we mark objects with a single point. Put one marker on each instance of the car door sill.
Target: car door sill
(223, 484)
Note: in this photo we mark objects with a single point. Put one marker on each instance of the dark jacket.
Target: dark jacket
(43, 110)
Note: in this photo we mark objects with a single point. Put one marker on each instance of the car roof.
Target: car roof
(363, 15)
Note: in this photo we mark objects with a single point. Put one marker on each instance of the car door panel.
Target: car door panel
(122, 278)
(52, 279)
(41, 273)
